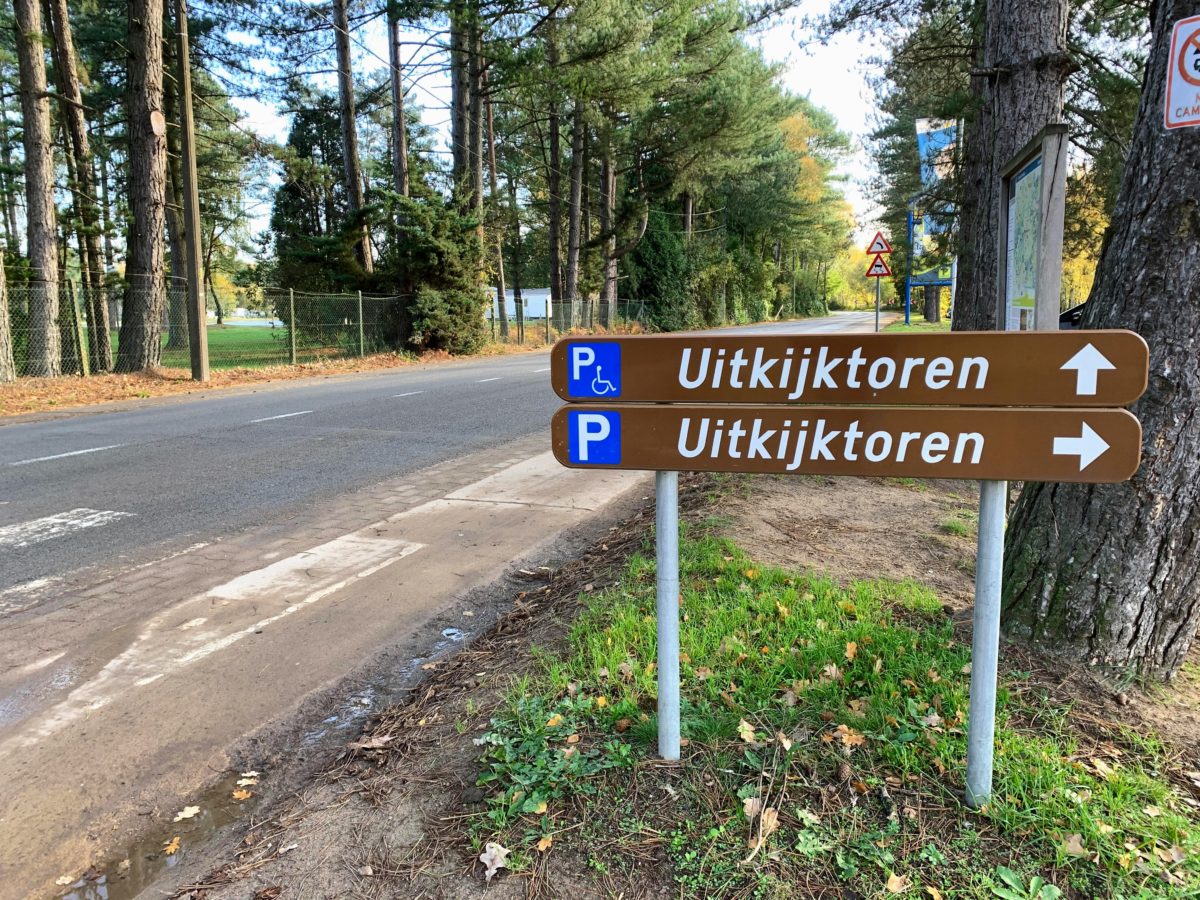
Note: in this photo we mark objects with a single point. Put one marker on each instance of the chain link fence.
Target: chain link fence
(80, 329)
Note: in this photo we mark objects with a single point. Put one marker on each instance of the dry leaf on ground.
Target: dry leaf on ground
(751, 806)
(898, 884)
(1073, 845)
(186, 813)
(746, 731)
(171, 847)
(544, 844)
(493, 856)
(242, 794)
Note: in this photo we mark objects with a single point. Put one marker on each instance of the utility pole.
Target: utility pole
(197, 313)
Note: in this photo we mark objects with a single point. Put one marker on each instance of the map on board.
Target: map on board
(1024, 225)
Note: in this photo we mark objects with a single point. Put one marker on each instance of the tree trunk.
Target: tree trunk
(501, 293)
(475, 135)
(608, 255)
(40, 217)
(176, 307)
(351, 168)
(140, 343)
(1018, 90)
(575, 207)
(8, 185)
(8, 367)
(933, 303)
(515, 225)
(399, 125)
(85, 195)
(1109, 573)
(554, 174)
(105, 208)
(459, 102)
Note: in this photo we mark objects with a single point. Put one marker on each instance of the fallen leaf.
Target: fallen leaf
(851, 650)
(933, 720)
(493, 856)
(849, 737)
(540, 808)
(1073, 845)
(573, 739)
(554, 721)
(770, 821)
(861, 787)
(783, 611)
(625, 670)
(878, 664)
(784, 741)
(934, 893)
(171, 847)
(186, 813)
(544, 844)
(898, 884)
(1103, 769)
(704, 673)
(746, 731)
(601, 702)
(623, 725)
(64, 880)
(250, 774)
(751, 806)
(429, 666)
(1152, 811)
(247, 782)
(831, 673)
(568, 752)
(242, 794)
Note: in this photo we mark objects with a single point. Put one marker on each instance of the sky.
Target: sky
(832, 75)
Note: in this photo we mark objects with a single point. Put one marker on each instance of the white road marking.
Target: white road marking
(539, 371)
(38, 459)
(485, 380)
(25, 534)
(409, 394)
(39, 664)
(304, 412)
(293, 583)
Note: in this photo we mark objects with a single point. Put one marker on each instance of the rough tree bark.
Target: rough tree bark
(351, 167)
(458, 100)
(1110, 573)
(575, 206)
(933, 302)
(85, 195)
(177, 298)
(8, 368)
(497, 215)
(515, 225)
(1018, 89)
(554, 171)
(41, 220)
(608, 252)
(399, 126)
(139, 345)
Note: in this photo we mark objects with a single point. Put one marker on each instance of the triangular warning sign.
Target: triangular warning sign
(879, 244)
(878, 268)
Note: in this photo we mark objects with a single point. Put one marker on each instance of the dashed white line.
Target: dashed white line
(24, 534)
(408, 394)
(539, 371)
(485, 380)
(303, 412)
(37, 459)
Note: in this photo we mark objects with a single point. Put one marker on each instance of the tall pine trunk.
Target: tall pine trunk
(351, 167)
(139, 345)
(497, 216)
(85, 196)
(8, 187)
(399, 125)
(8, 368)
(1018, 89)
(515, 225)
(554, 170)
(177, 297)
(41, 220)
(608, 247)
(1111, 573)
(575, 206)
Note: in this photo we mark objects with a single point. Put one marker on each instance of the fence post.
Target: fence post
(77, 320)
(362, 344)
(292, 326)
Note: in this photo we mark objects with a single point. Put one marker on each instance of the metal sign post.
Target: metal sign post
(985, 641)
(666, 551)
(879, 268)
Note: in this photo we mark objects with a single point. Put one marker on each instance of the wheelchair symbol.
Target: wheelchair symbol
(600, 386)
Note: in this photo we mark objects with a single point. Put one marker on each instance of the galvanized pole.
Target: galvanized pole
(877, 296)
(666, 541)
(292, 325)
(362, 344)
(197, 311)
(985, 640)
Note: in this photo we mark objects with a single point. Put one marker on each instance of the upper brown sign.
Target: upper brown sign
(1089, 445)
(1065, 368)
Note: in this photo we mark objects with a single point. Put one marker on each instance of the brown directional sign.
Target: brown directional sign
(1067, 368)
(1087, 445)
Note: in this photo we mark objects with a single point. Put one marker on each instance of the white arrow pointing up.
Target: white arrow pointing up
(1089, 447)
(1087, 363)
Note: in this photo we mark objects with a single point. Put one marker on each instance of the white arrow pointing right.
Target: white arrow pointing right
(1087, 363)
(1089, 446)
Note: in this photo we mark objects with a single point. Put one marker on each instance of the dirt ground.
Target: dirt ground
(386, 819)
(35, 395)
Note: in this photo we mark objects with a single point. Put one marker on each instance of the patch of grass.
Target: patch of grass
(842, 711)
(918, 326)
(964, 523)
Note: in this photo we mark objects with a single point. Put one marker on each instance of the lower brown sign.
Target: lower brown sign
(1085, 445)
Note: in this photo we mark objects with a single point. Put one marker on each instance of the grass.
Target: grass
(919, 326)
(825, 731)
(964, 523)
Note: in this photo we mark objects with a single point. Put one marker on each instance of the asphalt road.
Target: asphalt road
(111, 488)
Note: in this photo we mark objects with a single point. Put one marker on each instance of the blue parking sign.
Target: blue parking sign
(594, 369)
(593, 437)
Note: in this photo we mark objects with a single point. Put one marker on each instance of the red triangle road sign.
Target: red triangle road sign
(879, 244)
(878, 268)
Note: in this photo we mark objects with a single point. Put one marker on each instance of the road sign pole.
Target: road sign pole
(985, 641)
(666, 540)
(877, 295)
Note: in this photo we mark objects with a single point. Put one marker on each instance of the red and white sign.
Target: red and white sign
(1183, 75)
(879, 244)
(878, 268)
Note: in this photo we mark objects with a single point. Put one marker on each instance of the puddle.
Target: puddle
(126, 878)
